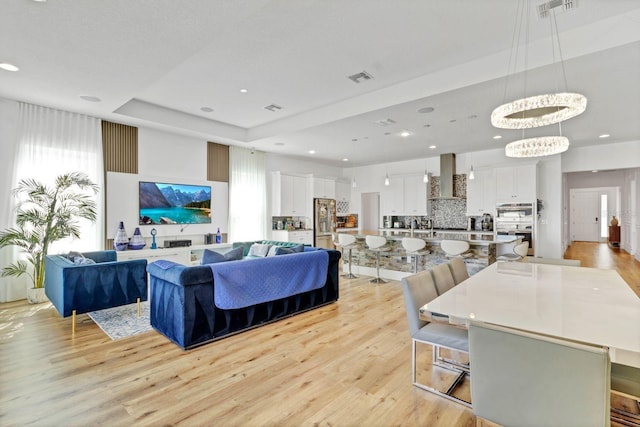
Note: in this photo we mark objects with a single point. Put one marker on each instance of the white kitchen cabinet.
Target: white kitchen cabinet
(300, 202)
(343, 191)
(516, 184)
(392, 197)
(481, 193)
(289, 195)
(298, 236)
(414, 195)
(324, 188)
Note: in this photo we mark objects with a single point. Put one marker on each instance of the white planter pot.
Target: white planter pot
(36, 296)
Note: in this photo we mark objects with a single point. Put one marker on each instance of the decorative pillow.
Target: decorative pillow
(81, 260)
(289, 250)
(272, 250)
(234, 254)
(213, 257)
(71, 256)
(259, 250)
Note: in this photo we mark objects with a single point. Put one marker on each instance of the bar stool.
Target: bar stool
(377, 244)
(520, 251)
(455, 248)
(347, 241)
(414, 247)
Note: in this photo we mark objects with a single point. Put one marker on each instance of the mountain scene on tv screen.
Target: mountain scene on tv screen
(174, 204)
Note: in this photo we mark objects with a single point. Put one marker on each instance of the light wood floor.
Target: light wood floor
(346, 364)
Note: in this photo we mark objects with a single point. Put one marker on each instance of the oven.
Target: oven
(517, 219)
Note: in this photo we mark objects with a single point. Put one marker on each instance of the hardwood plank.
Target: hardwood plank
(347, 363)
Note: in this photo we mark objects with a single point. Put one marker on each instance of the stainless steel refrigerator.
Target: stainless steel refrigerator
(324, 222)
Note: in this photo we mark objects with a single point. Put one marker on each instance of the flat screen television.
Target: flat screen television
(163, 203)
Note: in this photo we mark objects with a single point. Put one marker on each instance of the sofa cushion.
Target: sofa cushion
(291, 250)
(212, 257)
(259, 250)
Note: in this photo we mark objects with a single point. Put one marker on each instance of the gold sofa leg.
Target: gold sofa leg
(73, 322)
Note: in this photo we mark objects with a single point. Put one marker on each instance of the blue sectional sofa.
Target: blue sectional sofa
(103, 283)
(194, 305)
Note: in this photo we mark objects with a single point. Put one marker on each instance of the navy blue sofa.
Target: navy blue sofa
(89, 287)
(185, 304)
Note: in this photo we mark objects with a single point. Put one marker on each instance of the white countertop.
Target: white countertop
(584, 304)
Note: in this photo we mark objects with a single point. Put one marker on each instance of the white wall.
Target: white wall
(610, 158)
(171, 158)
(621, 155)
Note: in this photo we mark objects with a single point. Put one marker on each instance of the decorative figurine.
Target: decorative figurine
(153, 236)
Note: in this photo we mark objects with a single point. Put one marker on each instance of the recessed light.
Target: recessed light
(604, 135)
(426, 126)
(206, 109)
(452, 121)
(433, 147)
(354, 139)
(8, 67)
(90, 98)
(345, 160)
(594, 171)
(243, 91)
(497, 137)
(312, 151)
(425, 110)
(387, 133)
(279, 144)
(405, 133)
(473, 116)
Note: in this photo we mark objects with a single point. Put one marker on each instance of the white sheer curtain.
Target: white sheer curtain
(247, 195)
(53, 142)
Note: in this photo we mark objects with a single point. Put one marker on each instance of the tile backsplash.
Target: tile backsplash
(449, 213)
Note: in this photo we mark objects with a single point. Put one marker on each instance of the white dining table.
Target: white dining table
(590, 305)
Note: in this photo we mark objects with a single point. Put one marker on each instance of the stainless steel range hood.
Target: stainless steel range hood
(447, 170)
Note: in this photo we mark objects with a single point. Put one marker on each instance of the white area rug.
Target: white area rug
(121, 322)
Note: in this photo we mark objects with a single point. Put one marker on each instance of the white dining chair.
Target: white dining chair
(443, 278)
(418, 290)
(525, 379)
(458, 270)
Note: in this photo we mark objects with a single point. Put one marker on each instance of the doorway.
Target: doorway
(370, 206)
(590, 209)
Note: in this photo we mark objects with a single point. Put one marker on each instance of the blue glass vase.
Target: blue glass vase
(137, 242)
(121, 241)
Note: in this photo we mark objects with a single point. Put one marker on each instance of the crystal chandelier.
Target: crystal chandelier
(537, 111)
(540, 110)
(537, 147)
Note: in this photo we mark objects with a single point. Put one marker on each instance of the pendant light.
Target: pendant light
(539, 110)
(471, 174)
(353, 182)
(386, 180)
(425, 177)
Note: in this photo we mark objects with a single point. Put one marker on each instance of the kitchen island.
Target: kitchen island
(395, 264)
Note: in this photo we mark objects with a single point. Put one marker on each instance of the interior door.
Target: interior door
(370, 206)
(585, 215)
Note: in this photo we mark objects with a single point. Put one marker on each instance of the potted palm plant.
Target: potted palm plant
(46, 214)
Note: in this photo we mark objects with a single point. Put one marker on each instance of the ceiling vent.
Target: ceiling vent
(562, 5)
(360, 77)
(273, 107)
(385, 122)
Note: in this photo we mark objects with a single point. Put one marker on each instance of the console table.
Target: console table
(189, 255)
(614, 236)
